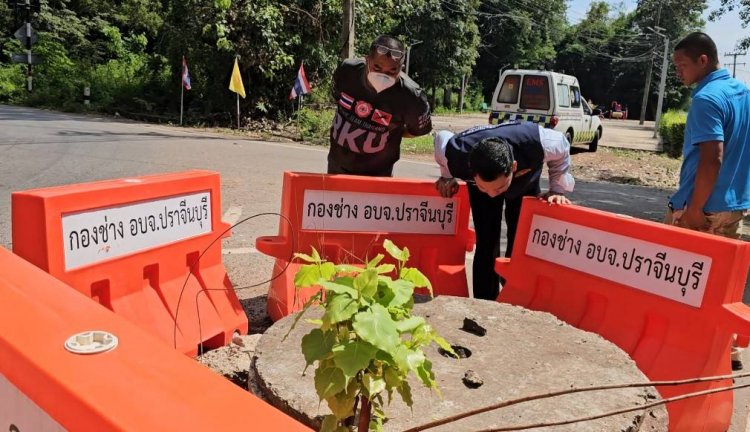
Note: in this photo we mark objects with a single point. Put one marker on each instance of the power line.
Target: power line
(734, 61)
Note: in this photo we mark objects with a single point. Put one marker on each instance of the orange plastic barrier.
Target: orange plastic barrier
(346, 218)
(669, 297)
(130, 244)
(140, 385)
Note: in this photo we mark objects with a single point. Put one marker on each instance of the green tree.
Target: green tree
(521, 33)
(450, 38)
(743, 8)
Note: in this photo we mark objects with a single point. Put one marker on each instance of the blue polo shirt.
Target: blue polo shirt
(720, 111)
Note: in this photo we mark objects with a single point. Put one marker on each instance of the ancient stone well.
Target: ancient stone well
(523, 353)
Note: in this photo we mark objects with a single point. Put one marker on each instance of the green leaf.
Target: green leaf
(394, 251)
(385, 268)
(330, 423)
(375, 261)
(317, 344)
(377, 327)
(373, 385)
(342, 404)
(298, 317)
(403, 291)
(367, 283)
(304, 257)
(405, 391)
(392, 377)
(327, 271)
(424, 373)
(315, 322)
(416, 277)
(409, 324)
(339, 288)
(316, 255)
(385, 292)
(442, 343)
(348, 268)
(376, 424)
(329, 381)
(353, 356)
(408, 359)
(307, 276)
(340, 307)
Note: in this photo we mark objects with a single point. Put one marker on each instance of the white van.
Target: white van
(549, 98)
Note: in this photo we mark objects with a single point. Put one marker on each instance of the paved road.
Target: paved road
(41, 149)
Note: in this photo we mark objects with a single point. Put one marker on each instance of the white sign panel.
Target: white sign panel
(18, 413)
(667, 272)
(93, 236)
(371, 212)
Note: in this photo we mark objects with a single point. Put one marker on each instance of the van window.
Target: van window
(509, 91)
(563, 95)
(575, 97)
(535, 93)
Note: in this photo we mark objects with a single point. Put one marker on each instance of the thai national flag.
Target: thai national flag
(301, 85)
(346, 101)
(185, 74)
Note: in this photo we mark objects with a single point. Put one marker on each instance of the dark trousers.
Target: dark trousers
(487, 213)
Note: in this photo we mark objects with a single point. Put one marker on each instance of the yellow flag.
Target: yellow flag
(235, 84)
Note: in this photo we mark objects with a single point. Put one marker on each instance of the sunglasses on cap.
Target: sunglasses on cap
(394, 53)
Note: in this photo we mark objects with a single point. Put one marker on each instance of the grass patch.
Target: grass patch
(418, 145)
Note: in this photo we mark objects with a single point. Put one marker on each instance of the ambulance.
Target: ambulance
(550, 99)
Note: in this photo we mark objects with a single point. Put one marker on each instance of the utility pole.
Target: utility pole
(26, 35)
(412, 43)
(664, 71)
(347, 30)
(734, 61)
(647, 88)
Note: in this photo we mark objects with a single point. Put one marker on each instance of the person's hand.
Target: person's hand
(554, 198)
(447, 187)
(693, 219)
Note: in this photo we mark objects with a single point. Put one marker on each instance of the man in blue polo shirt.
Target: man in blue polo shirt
(714, 190)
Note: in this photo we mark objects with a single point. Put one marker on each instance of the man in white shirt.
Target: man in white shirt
(502, 164)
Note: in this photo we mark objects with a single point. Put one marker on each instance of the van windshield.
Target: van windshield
(535, 93)
(509, 91)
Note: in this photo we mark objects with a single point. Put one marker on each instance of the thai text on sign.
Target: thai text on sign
(97, 235)
(372, 212)
(664, 271)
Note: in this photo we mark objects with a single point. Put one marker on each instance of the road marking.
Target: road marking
(232, 215)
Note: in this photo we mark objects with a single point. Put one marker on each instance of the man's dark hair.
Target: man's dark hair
(697, 44)
(491, 158)
(389, 42)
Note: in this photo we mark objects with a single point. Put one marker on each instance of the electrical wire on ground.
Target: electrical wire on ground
(589, 389)
(195, 263)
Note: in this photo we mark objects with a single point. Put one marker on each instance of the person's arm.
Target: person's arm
(418, 117)
(707, 132)
(335, 90)
(446, 184)
(557, 156)
(709, 164)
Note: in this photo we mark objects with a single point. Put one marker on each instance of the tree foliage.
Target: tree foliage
(743, 8)
(611, 51)
(129, 51)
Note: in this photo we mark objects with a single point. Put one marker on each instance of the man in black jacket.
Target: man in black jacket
(377, 106)
(502, 164)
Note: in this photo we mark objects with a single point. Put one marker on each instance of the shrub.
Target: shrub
(367, 342)
(315, 123)
(672, 130)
